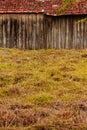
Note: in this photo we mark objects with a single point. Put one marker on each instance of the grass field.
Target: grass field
(43, 90)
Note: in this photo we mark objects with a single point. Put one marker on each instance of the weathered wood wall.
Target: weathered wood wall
(36, 31)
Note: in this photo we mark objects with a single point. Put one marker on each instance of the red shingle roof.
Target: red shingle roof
(47, 6)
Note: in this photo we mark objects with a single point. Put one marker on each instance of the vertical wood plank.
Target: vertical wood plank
(37, 32)
(23, 27)
(47, 31)
(57, 37)
(55, 33)
(41, 31)
(30, 31)
(74, 34)
(45, 28)
(85, 34)
(78, 36)
(26, 31)
(19, 32)
(50, 32)
(34, 30)
(52, 46)
(1, 31)
(8, 31)
(67, 34)
(59, 33)
(4, 31)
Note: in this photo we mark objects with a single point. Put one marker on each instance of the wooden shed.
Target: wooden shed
(34, 24)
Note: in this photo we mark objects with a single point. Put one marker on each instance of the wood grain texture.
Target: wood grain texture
(39, 31)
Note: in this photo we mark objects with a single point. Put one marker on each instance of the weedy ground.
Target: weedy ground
(43, 89)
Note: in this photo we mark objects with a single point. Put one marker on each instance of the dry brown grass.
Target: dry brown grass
(43, 90)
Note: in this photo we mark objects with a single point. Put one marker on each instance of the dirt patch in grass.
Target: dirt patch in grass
(66, 69)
